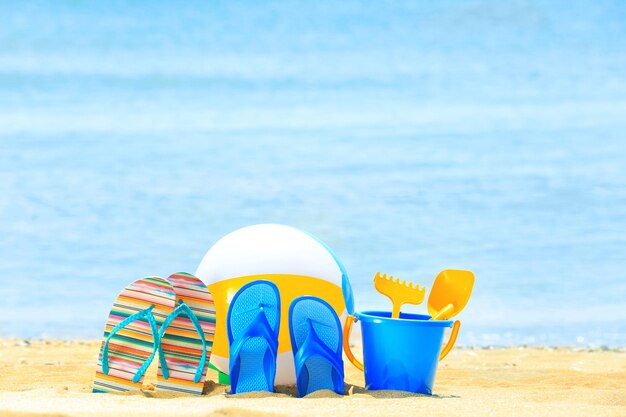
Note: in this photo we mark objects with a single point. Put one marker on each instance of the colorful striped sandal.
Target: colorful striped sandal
(131, 337)
(187, 337)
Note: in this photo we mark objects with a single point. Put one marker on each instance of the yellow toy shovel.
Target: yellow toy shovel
(451, 291)
(398, 292)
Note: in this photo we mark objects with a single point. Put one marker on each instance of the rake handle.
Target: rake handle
(395, 312)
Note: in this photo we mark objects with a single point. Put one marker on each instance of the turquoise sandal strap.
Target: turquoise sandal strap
(143, 314)
(184, 308)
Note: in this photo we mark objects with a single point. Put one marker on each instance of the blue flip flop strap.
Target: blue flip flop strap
(314, 346)
(143, 314)
(259, 327)
(183, 308)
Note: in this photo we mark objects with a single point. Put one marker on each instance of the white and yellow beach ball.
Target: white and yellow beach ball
(297, 262)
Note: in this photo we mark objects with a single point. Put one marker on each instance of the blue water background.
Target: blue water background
(410, 137)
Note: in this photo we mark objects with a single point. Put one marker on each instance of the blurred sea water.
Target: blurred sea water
(409, 136)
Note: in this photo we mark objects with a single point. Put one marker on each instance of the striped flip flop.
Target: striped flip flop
(131, 337)
(187, 337)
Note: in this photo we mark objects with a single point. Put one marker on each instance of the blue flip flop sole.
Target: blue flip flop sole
(316, 342)
(253, 322)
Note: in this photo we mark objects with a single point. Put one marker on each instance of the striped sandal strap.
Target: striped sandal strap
(184, 308)
(143, 314)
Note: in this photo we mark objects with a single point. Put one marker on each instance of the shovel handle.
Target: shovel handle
(346, 342)
(444, 313)
(448, 347)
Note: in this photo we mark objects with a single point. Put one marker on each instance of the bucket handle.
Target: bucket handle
(347, 329)
(448, 347)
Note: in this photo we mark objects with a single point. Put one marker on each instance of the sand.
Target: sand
(53, 378)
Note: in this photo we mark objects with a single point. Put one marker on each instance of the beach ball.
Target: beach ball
(296, 261)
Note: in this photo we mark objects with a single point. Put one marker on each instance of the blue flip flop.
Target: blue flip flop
(316, 343)
(253, 322)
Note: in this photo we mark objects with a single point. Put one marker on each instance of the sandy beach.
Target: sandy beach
(53, 378)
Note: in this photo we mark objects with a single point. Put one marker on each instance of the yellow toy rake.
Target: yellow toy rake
(398, 292)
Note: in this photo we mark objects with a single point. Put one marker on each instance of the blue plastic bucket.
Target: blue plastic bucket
(401, 354)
